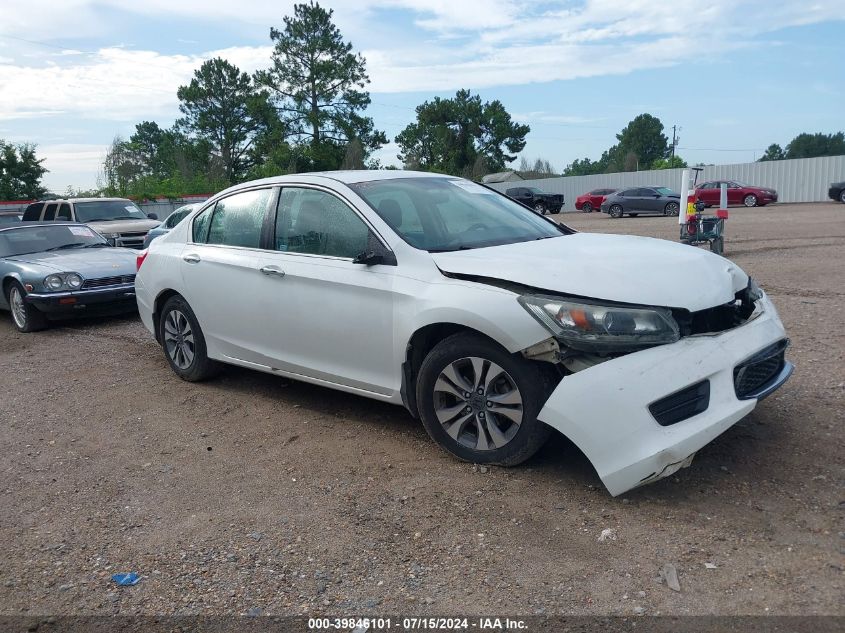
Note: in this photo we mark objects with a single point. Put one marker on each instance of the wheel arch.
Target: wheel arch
(158, 304)
(5, 285)
(420, 343)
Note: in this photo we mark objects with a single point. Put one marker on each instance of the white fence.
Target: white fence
(799, 180)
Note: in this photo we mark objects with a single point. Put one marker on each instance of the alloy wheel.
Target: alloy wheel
(750, 201)
(179, 339)
(478, 403)
(671, 209)
(18, 307)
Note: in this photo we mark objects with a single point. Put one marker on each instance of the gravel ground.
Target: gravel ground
(250, 494)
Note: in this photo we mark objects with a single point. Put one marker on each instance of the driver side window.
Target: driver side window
(317, 223)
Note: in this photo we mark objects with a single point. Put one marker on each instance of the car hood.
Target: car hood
(124, 226)
(91, 263)
(627, 269)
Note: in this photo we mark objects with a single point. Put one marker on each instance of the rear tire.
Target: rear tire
(25, 317)
(183, 342)
(616, 211)
(480, 403)
(842, 196)
(587, 208)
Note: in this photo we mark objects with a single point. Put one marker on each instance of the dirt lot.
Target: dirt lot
(250, 494)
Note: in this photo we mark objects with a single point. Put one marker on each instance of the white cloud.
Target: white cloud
(71, 164)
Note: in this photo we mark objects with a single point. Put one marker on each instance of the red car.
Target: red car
(738, 193)
(592, 200)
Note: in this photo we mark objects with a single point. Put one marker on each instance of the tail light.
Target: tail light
(139, 259)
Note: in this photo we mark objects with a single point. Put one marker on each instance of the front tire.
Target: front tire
(616, 211)
(25, 317)
(750, 200)
(480, 403)
(540, 208)
(183, 342)
(842, 196)
(587, 208)
(671, 208)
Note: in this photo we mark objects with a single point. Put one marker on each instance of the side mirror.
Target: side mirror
(657, 195)
(152, 216)
(369, 258)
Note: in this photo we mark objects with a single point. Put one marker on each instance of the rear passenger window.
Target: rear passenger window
(64, 212)
(50, 212)
(33, 212)
(237, 220)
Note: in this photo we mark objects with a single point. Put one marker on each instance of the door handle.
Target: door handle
(272, 271)
(191, 258)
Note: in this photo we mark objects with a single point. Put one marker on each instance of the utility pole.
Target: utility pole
(674, 141)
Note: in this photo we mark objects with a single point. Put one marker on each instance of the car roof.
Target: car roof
(347, 177)
(86, 200)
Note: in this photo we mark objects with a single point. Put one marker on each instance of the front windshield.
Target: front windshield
(665, 191)
(100, 210)
(534, 190)
(37, 239)
(450, 214)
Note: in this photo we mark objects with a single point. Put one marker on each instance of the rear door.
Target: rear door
(709, 193)
(220, 272)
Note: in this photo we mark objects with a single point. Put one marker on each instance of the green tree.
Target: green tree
(450, 134)
(319, 88)
(643, 137)
(773, 152)
(812, 145)
(673, 162)
(20, 172)
(221, 106)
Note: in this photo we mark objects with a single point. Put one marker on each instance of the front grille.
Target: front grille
(130, 240)
(103, 282)
(755, 373)
(682, 405)
(718, 319)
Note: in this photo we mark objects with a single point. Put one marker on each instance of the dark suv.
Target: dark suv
(118, 220)
(537, 199)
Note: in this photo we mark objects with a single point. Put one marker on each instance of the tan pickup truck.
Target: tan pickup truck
(119, 220)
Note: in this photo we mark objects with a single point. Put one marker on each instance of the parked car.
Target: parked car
(118, 220)
(641, 200)
(837, 191)
(537, 199)
(586, 202)
(738, 194)
(55, 269)
(172, 220)
(476, 314)
(10, 218)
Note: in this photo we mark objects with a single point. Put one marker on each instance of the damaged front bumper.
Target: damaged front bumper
(604, 409)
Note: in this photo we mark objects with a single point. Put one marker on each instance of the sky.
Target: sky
(733, 75)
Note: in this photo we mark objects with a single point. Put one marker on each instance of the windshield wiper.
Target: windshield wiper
(97, 245)
(95, 220)
(128, 217)
(71, 245)
(462, 247)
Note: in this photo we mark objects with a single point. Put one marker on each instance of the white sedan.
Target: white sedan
(491, 324)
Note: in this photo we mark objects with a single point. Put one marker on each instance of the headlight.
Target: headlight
(595, 327)
(73, 281)
(110, 236)
(53, 282)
